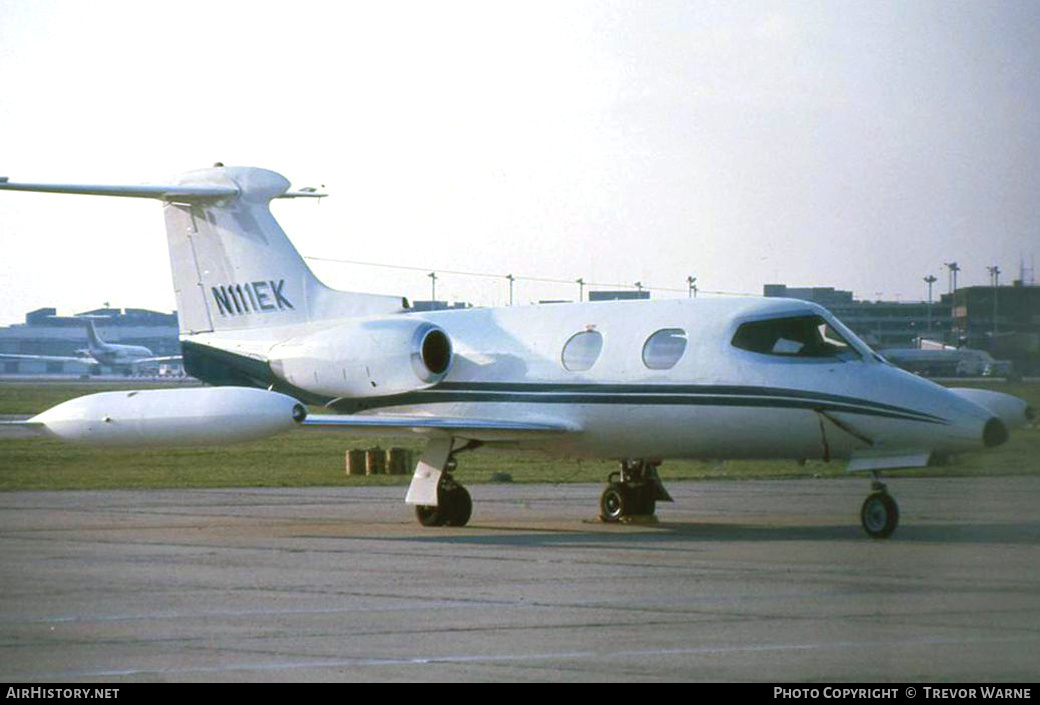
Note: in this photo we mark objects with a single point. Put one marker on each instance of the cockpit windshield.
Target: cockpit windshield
(810, 336)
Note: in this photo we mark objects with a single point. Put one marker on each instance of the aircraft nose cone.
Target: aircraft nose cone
(995, 433)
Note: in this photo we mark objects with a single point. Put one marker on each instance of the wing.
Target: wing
(21, 429)
(488, 430)
(49, 358)
(146, 360)
(84, 360)
(425, 426)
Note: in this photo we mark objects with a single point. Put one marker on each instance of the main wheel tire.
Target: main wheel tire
(879, 515)
(458, 505)
(613, 504)
(454, 508)
(430, 516)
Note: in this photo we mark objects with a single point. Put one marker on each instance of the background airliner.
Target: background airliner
(118, 356)
(635, 381)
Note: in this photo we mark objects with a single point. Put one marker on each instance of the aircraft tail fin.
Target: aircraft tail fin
(233, 266)
(92, 335)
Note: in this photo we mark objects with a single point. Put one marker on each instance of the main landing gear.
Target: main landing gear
(439, 499)
(880, 513)
(632, 491)
(454, 505)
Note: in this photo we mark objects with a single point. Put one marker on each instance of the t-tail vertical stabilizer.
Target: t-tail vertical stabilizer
(233, 266)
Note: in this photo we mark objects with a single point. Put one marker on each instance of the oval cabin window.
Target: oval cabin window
(582, 350)
(664, 348)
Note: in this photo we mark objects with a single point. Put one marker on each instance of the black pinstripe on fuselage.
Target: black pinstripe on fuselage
(636, 395)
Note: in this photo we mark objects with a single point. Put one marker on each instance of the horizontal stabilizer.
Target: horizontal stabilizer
(163, 192)
(410, 426)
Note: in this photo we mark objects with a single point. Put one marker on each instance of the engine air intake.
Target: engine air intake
(433, 353)
(995, 433)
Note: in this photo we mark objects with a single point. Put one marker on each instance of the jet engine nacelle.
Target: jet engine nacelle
(365, 358)
(171, 417)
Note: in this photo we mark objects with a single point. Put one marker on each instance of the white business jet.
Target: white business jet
(635, 381)
(115, 355)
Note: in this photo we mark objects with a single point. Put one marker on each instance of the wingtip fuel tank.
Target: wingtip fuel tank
(172, 417)
(1014, 412)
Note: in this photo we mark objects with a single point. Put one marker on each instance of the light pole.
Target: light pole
(511, 279)
(930, 279)
(433, 287)
(994, 273)
(692, 282)
(581, 289)
(954, 268)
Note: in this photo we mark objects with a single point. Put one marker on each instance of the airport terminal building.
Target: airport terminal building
(45, 333)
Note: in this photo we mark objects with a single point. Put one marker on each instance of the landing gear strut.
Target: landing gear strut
(880, 513)
(632, 491)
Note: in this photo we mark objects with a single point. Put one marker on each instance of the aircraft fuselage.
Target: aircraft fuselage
(709, 399)
(116, 355)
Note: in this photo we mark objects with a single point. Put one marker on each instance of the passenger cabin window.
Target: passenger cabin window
(582, 350)
(664, 348)
(794, 336)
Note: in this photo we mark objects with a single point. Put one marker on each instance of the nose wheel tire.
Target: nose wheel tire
(634, 491)
(613, 504)
(879, 515)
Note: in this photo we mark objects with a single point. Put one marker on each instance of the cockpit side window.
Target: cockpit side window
(794, 336)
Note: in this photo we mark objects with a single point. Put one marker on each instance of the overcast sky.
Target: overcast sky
(850, 144)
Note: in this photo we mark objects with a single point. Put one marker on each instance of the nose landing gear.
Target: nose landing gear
(633, 491)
